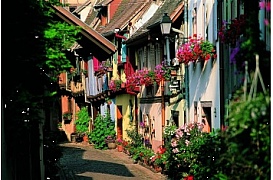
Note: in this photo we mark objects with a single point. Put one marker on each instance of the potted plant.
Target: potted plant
(110, 140)
(107, 66)
(82, 123)
(115, 85)
(119, 143)
(229, 33)
(104, 127)
(196, 49)
(162, 72)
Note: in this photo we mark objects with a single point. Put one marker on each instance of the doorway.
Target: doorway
(206, 115)
(119, 122)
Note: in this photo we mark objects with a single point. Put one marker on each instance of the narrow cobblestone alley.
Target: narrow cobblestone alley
(84, 162)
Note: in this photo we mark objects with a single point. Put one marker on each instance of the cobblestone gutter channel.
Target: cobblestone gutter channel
(83, 162)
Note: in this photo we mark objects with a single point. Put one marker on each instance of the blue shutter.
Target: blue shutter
(124, 50)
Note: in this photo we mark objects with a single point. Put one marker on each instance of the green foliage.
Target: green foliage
(103, 127)
(191, 151)
(82, 121)
(67, 115)
(59, 36)
(140, 153)
(135, 138)
(169, 131)
(247, 140)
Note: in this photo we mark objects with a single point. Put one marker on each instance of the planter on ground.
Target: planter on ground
(120, 148)
(112, 145)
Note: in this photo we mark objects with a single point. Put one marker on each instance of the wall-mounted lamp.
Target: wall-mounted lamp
(165, 25)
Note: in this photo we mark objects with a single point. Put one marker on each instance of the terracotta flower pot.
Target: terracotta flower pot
(120, 148)
(85, 138)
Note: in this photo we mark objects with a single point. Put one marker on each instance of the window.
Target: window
(195, 111)
(194, 20)
(175, 117)
(72, 8)
(149, 91)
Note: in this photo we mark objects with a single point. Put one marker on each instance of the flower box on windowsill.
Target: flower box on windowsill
(136, 89)
(123, 85)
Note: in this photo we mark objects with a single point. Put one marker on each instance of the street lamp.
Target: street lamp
(165, 25)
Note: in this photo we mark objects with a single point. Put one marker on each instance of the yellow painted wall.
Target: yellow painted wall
(176, 107)
(123, 100)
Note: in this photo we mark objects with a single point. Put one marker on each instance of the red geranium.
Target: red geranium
(196, 48)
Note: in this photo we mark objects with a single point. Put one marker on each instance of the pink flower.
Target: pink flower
(187, 142)
(262, 4)
(179, 133)
(175, 150)
(174, 143)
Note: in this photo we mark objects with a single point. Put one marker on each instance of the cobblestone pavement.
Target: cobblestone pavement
(84, 162)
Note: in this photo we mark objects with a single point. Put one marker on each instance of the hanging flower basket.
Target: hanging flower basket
(195, 49)
(115, 85)
(230, 32)
(136, 89)
(123, 85)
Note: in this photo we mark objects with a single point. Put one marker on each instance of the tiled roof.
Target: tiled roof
(104, 3)
(90, 17)
(102, 47)
(168, 7)
(125, 12)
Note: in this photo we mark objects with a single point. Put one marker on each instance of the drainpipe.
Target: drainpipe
(162, 109)
(221, 77)
(222, 97)
(186, 66)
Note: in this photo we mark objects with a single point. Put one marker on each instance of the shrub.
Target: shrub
(135, 138)
(82, 121)
(247, 140)
(103, 127)
(192, 152)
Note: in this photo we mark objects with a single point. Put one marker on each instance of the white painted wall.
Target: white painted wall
(204, 79)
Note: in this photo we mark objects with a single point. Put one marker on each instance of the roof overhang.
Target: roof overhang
(154, 29)
(99, 46)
